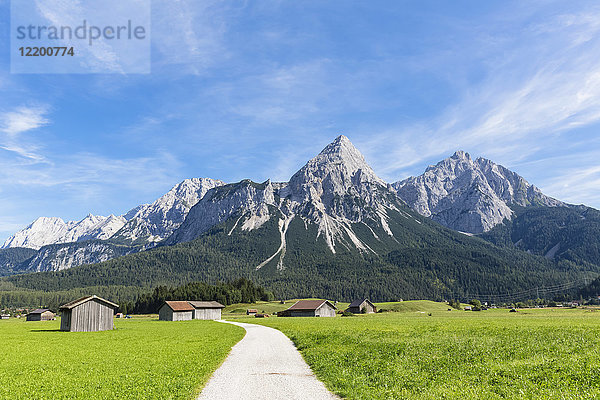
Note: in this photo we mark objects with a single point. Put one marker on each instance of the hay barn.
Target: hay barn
(207, 309)
(87, 314)
(176, 311)
(362, 306)
(309, 308)
(41, 314)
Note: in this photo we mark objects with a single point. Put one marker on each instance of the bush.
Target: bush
(455, 304)
(347, 314)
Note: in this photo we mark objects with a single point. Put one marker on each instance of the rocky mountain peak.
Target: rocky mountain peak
(469, 196)
(461, 155)
(52, 230)
(154, 222)
(338, 169)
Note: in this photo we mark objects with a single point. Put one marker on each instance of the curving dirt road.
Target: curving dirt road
(264, 365)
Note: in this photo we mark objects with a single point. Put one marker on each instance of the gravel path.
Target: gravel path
(264, 365)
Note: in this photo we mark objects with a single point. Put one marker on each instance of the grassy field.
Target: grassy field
(494, 354)
(140, 359)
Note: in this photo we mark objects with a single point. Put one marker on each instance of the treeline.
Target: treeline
(239, 291)
(22, 298)
(591, 291)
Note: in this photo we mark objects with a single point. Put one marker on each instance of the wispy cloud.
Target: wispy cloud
(189, 34)
(576, 185)
(86, 182)
(23, 119)
(546, 84)
(14, 123)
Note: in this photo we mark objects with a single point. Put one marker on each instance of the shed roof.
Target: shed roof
(357, 303)
(39, 311)
(303, 305)
(179, 305)
(82, 300)
(206, 304)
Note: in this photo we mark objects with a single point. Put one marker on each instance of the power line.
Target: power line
(540, 290)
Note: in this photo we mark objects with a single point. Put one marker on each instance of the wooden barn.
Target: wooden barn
(309, 308)
(41, 314)
(87, 314)
(251, 311)
(362, 306)
(207, 309)
(176, 311)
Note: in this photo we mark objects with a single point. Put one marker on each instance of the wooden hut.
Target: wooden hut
(309, 308)
(41, 314)
(176, 311)
(251, 311)
(207, 309)
(362, 306)
(87, 314)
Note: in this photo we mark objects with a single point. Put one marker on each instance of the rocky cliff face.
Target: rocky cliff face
(248, 199)
(57, 257)
(469, 195)
(151, 223)
(335, 190)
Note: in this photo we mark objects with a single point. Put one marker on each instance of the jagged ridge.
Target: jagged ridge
(469, 195)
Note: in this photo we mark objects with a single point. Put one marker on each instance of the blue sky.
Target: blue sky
(243, 89)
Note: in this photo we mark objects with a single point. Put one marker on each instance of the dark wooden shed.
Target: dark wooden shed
(362, 306)
(309, 308)
(41, 314)
(87, 314)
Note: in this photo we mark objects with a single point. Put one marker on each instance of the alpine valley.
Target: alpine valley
(464, 228)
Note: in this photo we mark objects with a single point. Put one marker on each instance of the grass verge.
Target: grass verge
(139, 359)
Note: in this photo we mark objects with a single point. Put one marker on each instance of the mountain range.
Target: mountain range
(334, 228)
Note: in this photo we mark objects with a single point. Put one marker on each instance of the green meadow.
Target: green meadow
(418, 350)
(142, 358)
(493, 354)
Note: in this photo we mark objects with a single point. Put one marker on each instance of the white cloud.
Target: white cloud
(13, 124)
(23, 119)
(576, 185)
